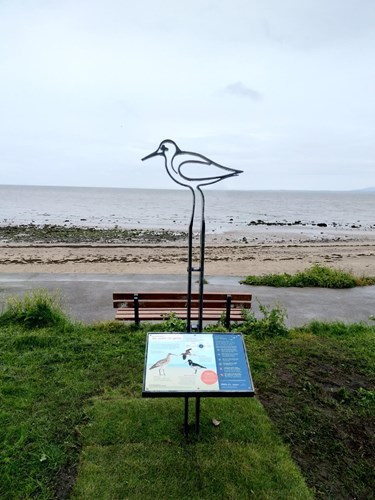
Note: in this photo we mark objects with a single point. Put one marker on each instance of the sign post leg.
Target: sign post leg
(186, 420)
(197, 413)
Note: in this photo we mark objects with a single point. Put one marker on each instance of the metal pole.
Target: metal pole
(186, 419)
(197, 413)
(201, 294)
(190, 267)
(201, 267)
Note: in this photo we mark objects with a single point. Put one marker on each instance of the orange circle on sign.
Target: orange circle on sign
(209, 377)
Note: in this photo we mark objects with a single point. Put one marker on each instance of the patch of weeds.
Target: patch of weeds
(271, 324)
(36, 309)
(216, 328)
(170, 323)
(316, 276)
(205, 282)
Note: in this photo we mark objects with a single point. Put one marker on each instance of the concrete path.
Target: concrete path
(88, 297)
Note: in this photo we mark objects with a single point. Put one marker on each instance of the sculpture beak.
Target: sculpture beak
(155, 153)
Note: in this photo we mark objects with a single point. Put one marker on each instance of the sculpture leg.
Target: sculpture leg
(190, 267)
(201, 267)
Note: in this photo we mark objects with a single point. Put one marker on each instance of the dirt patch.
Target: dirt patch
(65, 481)
(316, 404)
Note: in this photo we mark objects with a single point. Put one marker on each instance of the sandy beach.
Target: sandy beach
(228, 254)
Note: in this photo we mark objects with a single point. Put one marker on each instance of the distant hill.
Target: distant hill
(367, 190)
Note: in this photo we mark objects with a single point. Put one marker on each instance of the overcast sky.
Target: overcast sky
(282, 89)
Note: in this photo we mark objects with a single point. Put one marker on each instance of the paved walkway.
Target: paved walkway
(88, 297)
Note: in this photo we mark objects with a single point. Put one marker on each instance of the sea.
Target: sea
(171, 209)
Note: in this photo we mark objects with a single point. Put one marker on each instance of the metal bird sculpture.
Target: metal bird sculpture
(162, 363)
(182, 166)
(195, 366)
(192, 170)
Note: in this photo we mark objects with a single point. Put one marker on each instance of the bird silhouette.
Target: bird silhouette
(186, 353)
(195, 366)
(193, 170)
(162, 363)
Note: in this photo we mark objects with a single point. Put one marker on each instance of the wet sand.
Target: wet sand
(231, 254)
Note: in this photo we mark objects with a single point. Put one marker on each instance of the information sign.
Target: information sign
(196, 364)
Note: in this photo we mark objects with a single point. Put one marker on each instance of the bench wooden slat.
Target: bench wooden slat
(158, 313)
(178, 295)
(165, 304)
(181, 310)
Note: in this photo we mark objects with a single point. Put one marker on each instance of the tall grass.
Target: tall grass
(35, 309)
(337, 328)
(315, 276)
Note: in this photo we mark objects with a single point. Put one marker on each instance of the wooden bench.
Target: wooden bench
(156, 305)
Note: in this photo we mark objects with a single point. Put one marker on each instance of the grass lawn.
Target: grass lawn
(136, 449)
(72, 422)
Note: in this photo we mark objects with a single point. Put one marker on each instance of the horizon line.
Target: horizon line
(365, 189)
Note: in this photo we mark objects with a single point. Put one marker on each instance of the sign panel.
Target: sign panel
(196, 364)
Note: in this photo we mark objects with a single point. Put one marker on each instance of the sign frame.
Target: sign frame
(218, 392)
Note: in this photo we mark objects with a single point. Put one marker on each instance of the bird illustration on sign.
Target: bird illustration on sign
(186, 353)
(162, 363)
(195, 366)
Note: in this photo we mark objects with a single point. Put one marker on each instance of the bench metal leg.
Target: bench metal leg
(228, 310)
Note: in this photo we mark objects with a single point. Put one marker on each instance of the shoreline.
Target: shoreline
(256, 251)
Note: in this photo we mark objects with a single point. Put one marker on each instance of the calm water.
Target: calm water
(170, 209)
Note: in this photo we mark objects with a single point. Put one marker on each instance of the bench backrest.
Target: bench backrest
(179, 299)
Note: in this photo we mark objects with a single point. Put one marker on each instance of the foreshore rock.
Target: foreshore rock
(31, 233)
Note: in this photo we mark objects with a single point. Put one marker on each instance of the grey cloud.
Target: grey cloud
(240, 89)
